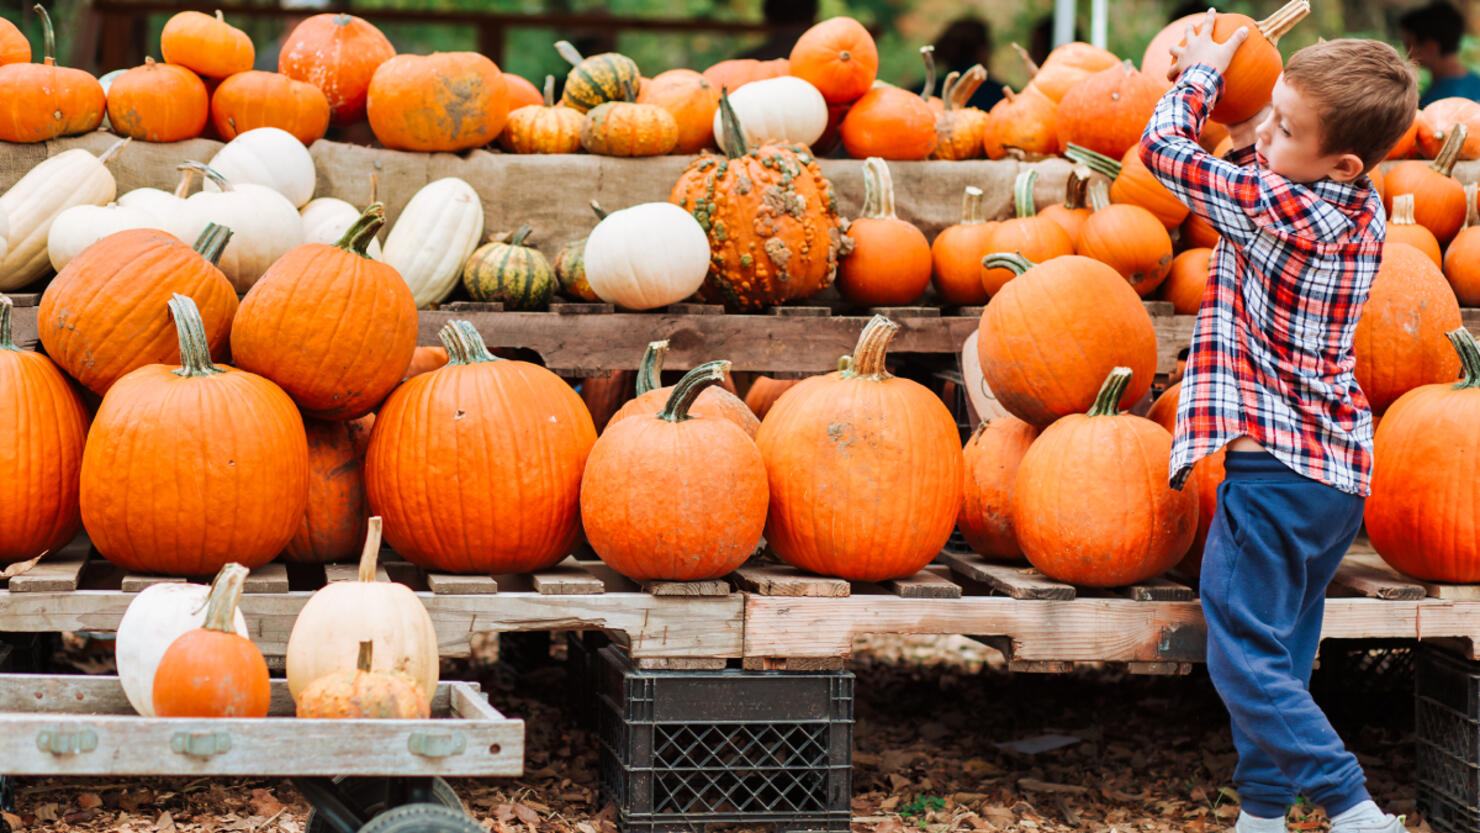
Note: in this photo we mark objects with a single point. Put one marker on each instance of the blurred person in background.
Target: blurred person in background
(964, 42)
(788, 20)
(1431, 35)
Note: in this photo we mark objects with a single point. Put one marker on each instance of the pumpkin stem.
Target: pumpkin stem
(370, 553)
(520, 236)
(453, 345)
(219, 16)
(1097, 162)
(1449, 154)
(48, 36)
(600, 212)
(948, 89)
(208, 172)
(1281, 22)
(1469, 357)
(966, 86)
(1403, 210)
(1008, 94)
(971, 206)
(688, 389)
(195, 350)
(845, 363)
(1011, 261)
(1076, 194)
(1471, 217)
(473, 343)
(358, 236)
(366, 656)
(212, 242)
(873, 344)
(549, 91)
(1099, 194)
(927, 52)
(729, 124)
(1022, 193)
(1107, 403)
(651, 369)
(113, 150)
(226, 591)
(1028, 62)
(629, 94)
(878, 190)
(568, 51)
(7, 341)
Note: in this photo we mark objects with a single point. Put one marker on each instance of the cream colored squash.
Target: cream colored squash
(72, 177)
(334, 621)
(264, 226)
(326, 219)
(83, 225)
(784, 109)
(4, 234)
(437, 230)
(156, 617)
(647, 256)
(267, 156)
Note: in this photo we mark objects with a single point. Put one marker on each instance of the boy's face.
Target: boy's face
(1289, 139)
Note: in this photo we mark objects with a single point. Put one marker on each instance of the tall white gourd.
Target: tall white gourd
(72, 177)
(433, 237)
(159, 615)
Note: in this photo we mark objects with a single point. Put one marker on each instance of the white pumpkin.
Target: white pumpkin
(784, 109)
(326, 219)
(72, 177)
(4, 234)
(83, 225)
(159, 615)
(266, 156)
(264, 226)
(433, 237)
(647, 256)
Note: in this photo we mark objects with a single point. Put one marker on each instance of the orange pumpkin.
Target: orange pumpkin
(363, 694)
(15, 47)
(838, 57)
(1440, 117)
(1408, 142)
(1128, 238)
(961, 130)
(105, 314)
(691, 100)
(1092, 505)
(1378, 183)
(1198, 233)
(205, 45)
(990, 463)
(861, 437)
(1207, 474)
(1403, 229)
(1156, 61)
(1066, 66)
(502, 443)
(1074, 210)
(175, 452)
(158, 103)
(1134, 184)
(1038, 239)
(956, 253)
(1256, 65)
(425, 360)
(43, 101)
(249, 100)
(1421, 514)
(731, 75)
(1026, 121)
(764, 392)
(1047, 340)
(338, 372)
(43, 426)
(1400, 341)
(213, 671)
(334, 524)
(626, 128)
(715, 402)
(1439, 199)
(645, 512)
(446, 101)
(890, 262)
(889, 123)
(522, 92)
(543, 128)
(1187, 281)
(1462, 258)
(339, 54)
(1107, 111)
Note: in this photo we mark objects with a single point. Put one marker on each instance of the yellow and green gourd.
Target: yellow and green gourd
(510, 272)
(570, 266)
(597, 79)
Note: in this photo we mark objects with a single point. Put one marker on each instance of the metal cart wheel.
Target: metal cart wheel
(344, 804)
(422, 818)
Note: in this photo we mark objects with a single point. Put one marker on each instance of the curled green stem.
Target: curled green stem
(687, 391)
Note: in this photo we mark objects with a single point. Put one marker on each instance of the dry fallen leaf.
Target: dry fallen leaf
(20, 567)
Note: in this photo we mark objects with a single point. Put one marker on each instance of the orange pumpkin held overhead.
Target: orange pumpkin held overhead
(1156, 61)
(1026, 121)
(990, 466)
(158, 103)
(890, 262)
(446, 101)
(43, 101)
(43, 426)
(15, 47)
(205, 45)
(249, 100)
(339, 54)
(1438, 198)
(1128, 238)
(1187, 281)
(334, 524)
(1250, 77)
(1462, 258)
(691, 100)
(838, 57)
(213, 671)
(1027, 235)
(716, 401)
(861, 438)
(1107, 111)
(1400, 342)
(956, 253)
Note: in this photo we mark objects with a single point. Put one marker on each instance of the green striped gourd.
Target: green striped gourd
(570, 266)
(510, 272)
(597, 79)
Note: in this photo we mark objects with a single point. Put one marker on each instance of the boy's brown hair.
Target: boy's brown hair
(1363, 91)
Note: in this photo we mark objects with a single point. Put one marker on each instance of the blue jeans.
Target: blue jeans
(1274, 545)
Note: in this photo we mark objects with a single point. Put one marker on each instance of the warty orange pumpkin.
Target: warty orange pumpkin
(838, 57)
(205, 44)
(43, 101)
(712, 401)
(1107, 111)
(1128, 238)
(1400, 341)
(990, 463)
(890, 261)
(333, 527)
(249, 100)
(339, 54)
(861, 438)
(1028, 235)
(363, 694)
(1439, 199)
(956, 253)
(213, 671)
(447, 101)
(158, 103)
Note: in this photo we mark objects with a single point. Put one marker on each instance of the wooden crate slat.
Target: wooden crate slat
(57, 571)
(443, 584)
(351, 572)
(135, 582)
(924, 585)
(789, 581)
(269, 578)
(568, 578)
(1008, 579)
(1160, 589)
(1365, 572)
(712, 587)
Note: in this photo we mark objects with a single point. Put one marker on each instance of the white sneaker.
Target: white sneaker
(1389, 824)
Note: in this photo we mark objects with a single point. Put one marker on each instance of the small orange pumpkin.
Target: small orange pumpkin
(522, 92)
(1408, 142)
(543, 128)
(838, 57)
(763, 393)
(890, 262)
(1402, 228)
(1198, 233)
(956, 253)
(1074, 210)
(15, 47)
(1187, 281)
(1107, 111)
(735, 73)
(213, 671)
(1128, 238)
(205, 45)
(1133, 184)
(691, 100)
(339, 54)
(1038, 239)
(889, 123)
(626, 128)
(1439, 199)
(44, 101)
(255, 99)
(1440, 117)
(1207, 473)
(334, 524)
(1066, 66)
(990, 463)
(1462, 258)
(961, 130)
(447, 101)
(1250, 76)
(363, 694)
(717, 401)
(426, 359)
(1026, 121)
(158, 103)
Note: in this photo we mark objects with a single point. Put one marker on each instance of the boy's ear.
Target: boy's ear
(1348, 167)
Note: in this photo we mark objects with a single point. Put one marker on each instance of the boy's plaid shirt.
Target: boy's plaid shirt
(1272, 348)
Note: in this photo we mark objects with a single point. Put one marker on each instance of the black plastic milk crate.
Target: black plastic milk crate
(1447, 719)
(681, 750)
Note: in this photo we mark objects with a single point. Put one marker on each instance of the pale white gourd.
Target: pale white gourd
(334, 621)
(4, 234)
(72, 177)
(647, 256)
(264, 225)
(433, 237)
(159, 615)
(777, 110)
(267, 156)
(326, 219)
(106, 82)
(83, 225)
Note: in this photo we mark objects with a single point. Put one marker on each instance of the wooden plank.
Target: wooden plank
(575, 308)
(56, 571)
(24, 299)
(1160, 589)
(1435, 590)
(924, 585)
(681, 664)
(906, 312)
(568, 578)
(269, 578)
(1040, 666)
(443, 584)
(134, 582)
(474, 306)
(792, 663)
(712, 587)
(772, 580)
(1159, 669)
(802, 312)
(1008, 579)
(695, 309)
(351, 572)
(1375, 582)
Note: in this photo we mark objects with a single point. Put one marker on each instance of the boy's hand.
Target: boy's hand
(1243, 133)
(1199, 48)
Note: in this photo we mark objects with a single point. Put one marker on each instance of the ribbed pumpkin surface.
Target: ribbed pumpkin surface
(599, 79)
(713, 402)
(333, 527)
(516, 275)
(990, 465)
(1400, 340)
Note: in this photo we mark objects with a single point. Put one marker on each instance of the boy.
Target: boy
(1270, 377)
